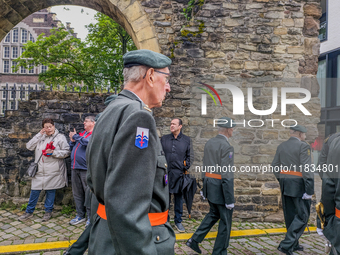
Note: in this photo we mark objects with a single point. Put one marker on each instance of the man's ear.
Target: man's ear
(150, 78)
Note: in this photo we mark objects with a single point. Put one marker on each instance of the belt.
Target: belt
(337, 212)
(292, 173)
(215, 176)
(156, 219)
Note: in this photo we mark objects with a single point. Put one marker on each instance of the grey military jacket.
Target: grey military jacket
(126, 172)
(292, 154)
(219, 152)
(331, 194)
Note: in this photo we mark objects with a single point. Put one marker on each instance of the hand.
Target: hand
(72, 133)
(42, 131)
(201, 192)
(231, 206)
(319, 231)
(306, 196)
(49, 151)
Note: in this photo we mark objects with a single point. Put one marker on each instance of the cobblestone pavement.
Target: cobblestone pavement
(58, 229)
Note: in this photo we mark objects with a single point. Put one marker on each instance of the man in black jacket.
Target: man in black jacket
(176, 147)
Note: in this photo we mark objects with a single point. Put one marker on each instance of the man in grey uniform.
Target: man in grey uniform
(296, 184)
(329, 162)
(127, 170)
(218, 188)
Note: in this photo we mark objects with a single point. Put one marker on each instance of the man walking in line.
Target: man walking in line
(78, 145)
(176, 147)
(218, 188)
(296, 184)
(127, 167)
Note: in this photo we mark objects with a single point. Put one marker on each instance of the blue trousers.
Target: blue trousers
(49, 201)
(178, 206)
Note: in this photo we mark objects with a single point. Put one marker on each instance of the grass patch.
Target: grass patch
(23, 207)
(68, 210)
(8, 205)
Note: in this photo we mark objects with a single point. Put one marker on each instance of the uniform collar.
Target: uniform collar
(133, 96)
(296, 138)
(224, 136)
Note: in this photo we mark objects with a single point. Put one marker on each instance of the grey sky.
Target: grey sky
(76, 17)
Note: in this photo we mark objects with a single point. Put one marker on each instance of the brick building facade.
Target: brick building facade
(11, 47)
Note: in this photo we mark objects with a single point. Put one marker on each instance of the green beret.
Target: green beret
(225, 122)
(146, 58)
(299, 128)
(109, 99)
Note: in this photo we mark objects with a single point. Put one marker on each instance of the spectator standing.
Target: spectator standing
(176, 147)
(78, 145)
(52, 172)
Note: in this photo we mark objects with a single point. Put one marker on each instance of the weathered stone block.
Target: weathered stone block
(314, 10)
(280, 30)
(236, 64)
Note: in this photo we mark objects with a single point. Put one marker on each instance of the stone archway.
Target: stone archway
(128, 13)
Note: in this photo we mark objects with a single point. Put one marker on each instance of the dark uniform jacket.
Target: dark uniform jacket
(324, 153)
(331, 194)
(128, 180)
(218, 151)
(176, 152)
(294, 153)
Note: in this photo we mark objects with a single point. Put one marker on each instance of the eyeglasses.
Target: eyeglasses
(167, 78)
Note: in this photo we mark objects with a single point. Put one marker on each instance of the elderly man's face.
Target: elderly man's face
(88, 124)
(161, 86)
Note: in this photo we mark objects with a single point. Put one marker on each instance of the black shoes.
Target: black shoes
(285, 251)
(298, 248)
(193, 245)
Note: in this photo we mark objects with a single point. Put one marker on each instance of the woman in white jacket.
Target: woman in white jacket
(52, 172)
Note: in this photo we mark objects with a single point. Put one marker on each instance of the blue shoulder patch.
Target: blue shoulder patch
(142, 138)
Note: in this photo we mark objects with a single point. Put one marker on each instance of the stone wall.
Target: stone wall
(18, 127)
(262, 41)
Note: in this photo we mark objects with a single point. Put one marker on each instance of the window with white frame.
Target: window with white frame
(43, 68)
(15, 37)
(14, 64)
(3, 106)
(31, 37)
(6, 51)
(22, 69)
(22, 92)
(14, 52)
(12, 107)
(31, 68)
(6, 66)
(8, 38)
(22, 49)
(3, 92)
(13, 92)
(23, 35)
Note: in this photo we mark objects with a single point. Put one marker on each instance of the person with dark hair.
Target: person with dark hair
(78, 145)
(177, 151)
(50, 148)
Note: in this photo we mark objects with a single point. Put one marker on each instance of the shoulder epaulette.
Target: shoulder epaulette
(147, 108)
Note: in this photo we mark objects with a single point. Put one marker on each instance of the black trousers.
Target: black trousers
(296, 212)
(217, 212)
